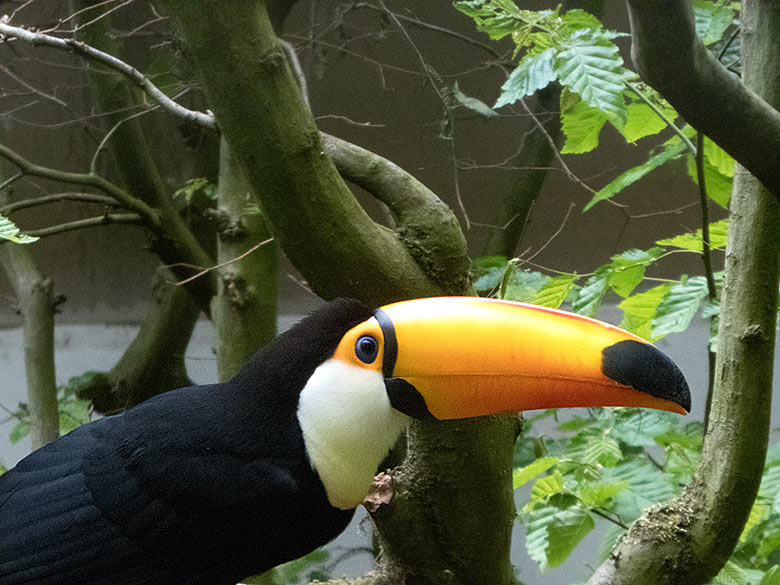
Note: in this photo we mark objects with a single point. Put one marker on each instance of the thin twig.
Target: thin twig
(217, 266)
(58, 198)
(105, 219)
(7, 31)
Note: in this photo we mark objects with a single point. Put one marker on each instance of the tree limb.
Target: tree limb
(689, 539)
(38, 39)
(36, 301)
(672, 59)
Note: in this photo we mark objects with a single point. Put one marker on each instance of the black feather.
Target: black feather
(200, 485)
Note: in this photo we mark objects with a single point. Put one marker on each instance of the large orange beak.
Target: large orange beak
(456, 357)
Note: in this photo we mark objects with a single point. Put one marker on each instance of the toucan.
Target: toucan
(213, 483)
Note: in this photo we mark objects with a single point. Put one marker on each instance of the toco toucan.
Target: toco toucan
(210, 484)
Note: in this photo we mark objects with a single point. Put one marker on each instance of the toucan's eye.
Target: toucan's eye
(366, 349)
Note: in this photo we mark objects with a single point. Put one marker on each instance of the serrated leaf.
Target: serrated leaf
(719, 232)
(731, 574)
(536, 541)
(718, 158)
(679, 306)
(565, 532)
(577, 19)
(555, 291)
(533, 73)
(628, 269)
(642, 121)
(639, 310)
(718, 185)
(581, 123)
(523, 285)
(591, 66)
(599, 495)
(602, 450)
(768, 545)
(711, 19)
(641, 427)
(546, 487)
(497, 18)
(758, 513)
(525, 474)
(9, 231)
(631, 176)
(471, 103)
(647, 485)
(591, 295)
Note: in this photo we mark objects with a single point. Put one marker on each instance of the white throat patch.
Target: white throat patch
(348, 428)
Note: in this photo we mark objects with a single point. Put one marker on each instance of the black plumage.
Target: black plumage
(200, 485)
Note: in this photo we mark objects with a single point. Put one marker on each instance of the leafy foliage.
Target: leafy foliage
(73, 411)
(573, 48)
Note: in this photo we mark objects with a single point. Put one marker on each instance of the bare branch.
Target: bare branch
(121, 196)
(58, 198)
(105, 219)
(36, 39)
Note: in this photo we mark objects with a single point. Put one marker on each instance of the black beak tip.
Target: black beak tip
(647, 369)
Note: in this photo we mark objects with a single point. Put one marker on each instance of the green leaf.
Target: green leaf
(758, 513)
(565, 532)
(718, 236)
(717, 184)
(591, 295)
(591, 66)
(293, 571)
(640, 309)
(525, 474)
(712, 19)
(555, 291)
(536, 541)
(628, 269)
(581, 124)
(678, 307)
(20, 430)
(640, 427)
(731, 574)
(534, 72)
(600, 495)
(647, 485)
(602, 450)
(771, 577)
(669, 153)
(497, 18)
(546, 487)
(471, 103)
(576, 19)
(718, 158)
(9, 231)
(642, 121)
(523, 285)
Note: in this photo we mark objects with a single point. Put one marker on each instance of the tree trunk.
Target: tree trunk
(244, 310)
(688, 540)
(36, 301)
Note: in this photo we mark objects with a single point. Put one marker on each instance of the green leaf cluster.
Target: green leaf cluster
(604, 465)
(608, 466)
(73, 411)
(573, 48)
(650, 312)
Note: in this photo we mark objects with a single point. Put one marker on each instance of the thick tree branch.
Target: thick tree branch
(688, 540)
(426, 225)
(672, 59)
(269, 129)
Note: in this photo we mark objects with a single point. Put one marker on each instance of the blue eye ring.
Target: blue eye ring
(367, 349)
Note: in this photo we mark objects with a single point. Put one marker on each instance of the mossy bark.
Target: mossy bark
(688, 540)
(35, 301)
(244, 310)
(340, 251)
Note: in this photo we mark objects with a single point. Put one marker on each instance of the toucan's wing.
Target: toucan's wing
(51, 530)
(177, 491)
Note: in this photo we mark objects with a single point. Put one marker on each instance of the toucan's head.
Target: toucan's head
(456, 357)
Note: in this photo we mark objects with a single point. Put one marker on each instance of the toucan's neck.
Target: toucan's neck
(348, 428)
